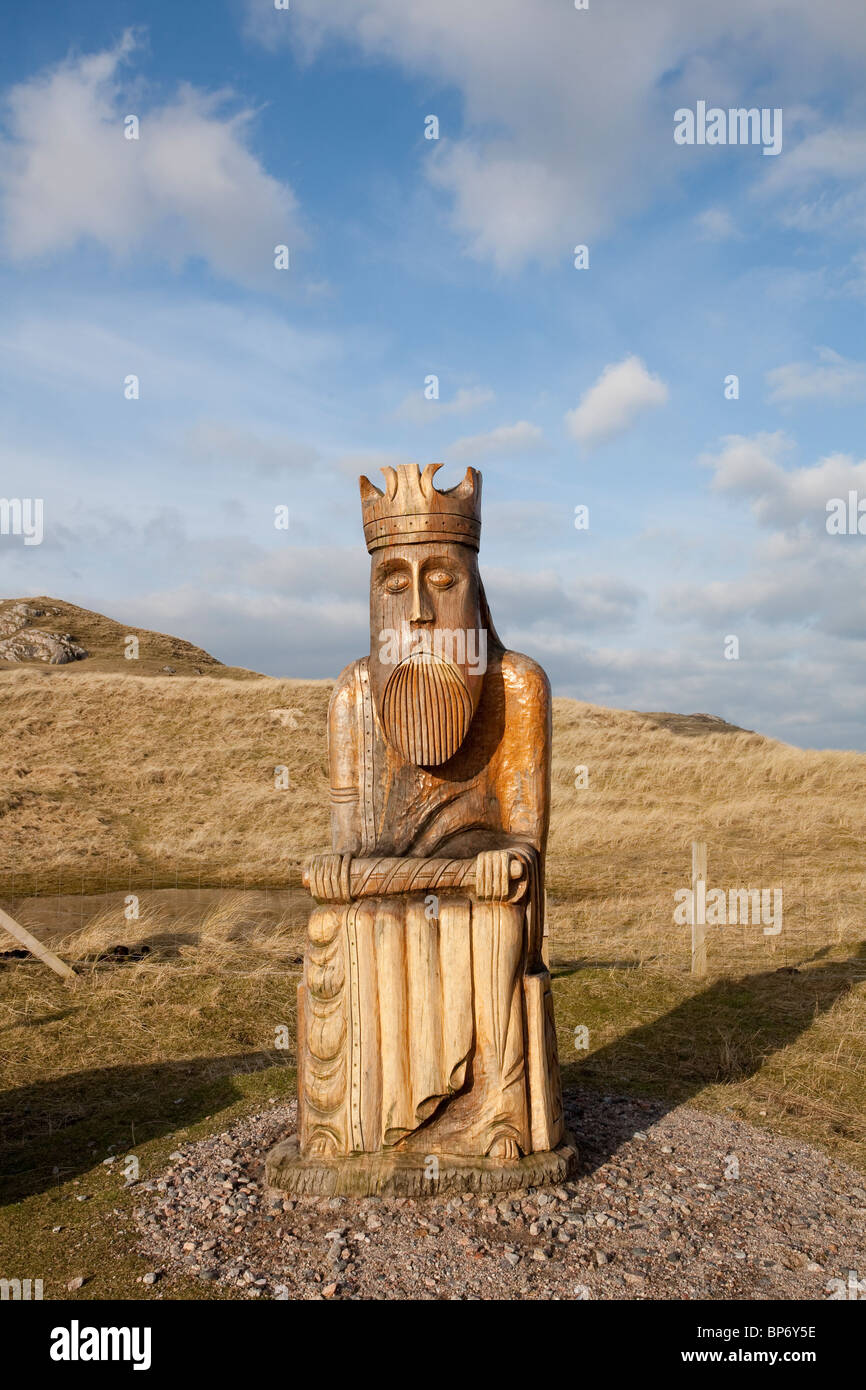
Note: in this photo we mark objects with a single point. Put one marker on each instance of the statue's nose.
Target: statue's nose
(421, 610)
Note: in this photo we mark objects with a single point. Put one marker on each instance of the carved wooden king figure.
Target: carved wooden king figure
(426, 1045)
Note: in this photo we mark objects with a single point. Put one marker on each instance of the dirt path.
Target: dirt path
(675, 1205)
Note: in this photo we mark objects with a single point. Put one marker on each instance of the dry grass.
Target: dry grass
(114, 784)
(179, 787)
(111, 779)
(130, 1059)
(772, 816)
(215, 931)
(211, 989)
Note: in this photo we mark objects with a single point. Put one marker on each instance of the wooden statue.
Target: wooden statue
(427, 1053)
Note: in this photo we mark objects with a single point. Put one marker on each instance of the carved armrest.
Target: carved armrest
(492, 876)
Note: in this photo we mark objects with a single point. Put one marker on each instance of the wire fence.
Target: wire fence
(761, 911)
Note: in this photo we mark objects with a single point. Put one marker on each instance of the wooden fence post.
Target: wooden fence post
(699, 903)
(35, 947)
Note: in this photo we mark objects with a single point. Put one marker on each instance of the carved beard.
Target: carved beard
(426, 709)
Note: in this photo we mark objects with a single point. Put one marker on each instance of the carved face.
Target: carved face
(428, 653)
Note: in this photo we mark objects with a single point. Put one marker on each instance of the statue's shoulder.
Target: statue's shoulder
(345, 686)
(521, 673)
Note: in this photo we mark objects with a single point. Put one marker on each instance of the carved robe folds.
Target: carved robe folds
(403, 1010)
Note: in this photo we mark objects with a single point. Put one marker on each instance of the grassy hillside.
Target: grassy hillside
(107, 777)
(105, 641)
(179, 786)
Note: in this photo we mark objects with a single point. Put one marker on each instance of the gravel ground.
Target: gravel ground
(667, 1204)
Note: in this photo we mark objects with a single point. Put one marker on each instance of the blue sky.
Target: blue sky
(452, 257)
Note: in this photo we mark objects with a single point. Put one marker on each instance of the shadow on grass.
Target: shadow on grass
(55, 1130)
(559, 969)
(724, 1034)
(37, 1020)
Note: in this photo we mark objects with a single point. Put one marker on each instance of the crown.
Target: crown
(412, 509)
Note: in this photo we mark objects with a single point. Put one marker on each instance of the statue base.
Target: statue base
(401, 1174)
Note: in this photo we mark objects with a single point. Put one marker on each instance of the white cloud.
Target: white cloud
(540, 603)
(820, 184)
(420, 411)
(189, 187)
(832, 378)
(835, 152)
(750, 467)
(312, 574)
(303, 634)
(806, 584)
(498, 226)
(716, 224)
(506, 441)
(612, 404)
(566, 127)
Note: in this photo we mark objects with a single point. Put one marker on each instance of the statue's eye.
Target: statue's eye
(440, 579)
(396, 583)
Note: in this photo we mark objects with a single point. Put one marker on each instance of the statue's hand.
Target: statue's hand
(327, 877)
(495, 872)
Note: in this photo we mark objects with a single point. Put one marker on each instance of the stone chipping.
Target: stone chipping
(667, 1204)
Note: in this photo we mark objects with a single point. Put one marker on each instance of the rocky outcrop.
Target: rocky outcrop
(13, 619)
(36, 645)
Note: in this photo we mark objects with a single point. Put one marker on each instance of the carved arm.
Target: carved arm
(494, 875)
